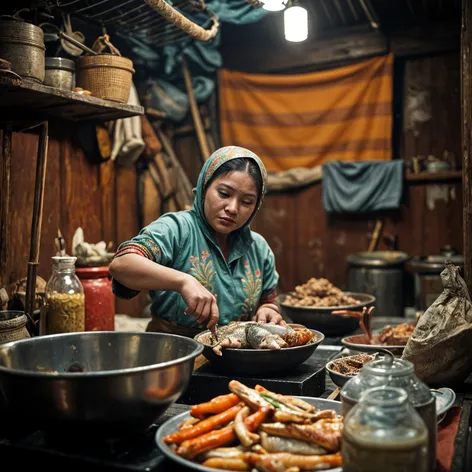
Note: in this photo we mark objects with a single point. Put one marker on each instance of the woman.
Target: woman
(205, 266)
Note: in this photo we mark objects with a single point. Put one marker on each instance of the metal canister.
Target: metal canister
(22, 44)
(381, 274)
(60, 73)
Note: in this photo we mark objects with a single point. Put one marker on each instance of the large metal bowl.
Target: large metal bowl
(321, 319)
(260, 361)
(130, 379)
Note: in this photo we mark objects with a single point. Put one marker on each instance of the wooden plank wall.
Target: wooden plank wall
(97, 197)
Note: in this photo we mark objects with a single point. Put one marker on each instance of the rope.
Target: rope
(180, 21)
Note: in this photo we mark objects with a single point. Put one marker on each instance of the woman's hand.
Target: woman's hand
(200, 302)
(266, 314)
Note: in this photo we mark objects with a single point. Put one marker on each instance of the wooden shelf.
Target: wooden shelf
(33, 101)
(434, 176)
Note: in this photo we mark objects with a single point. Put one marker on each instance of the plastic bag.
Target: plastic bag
(440, 345)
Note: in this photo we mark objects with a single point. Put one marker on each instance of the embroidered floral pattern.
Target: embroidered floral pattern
(133, 248)
(202, 269)
(252, 285)
(154, 248)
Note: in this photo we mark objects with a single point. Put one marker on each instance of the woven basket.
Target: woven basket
(107, 76)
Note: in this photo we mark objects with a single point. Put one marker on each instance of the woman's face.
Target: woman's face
(230, 201)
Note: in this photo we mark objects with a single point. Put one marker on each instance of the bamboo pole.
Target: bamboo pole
(41, 163)
(5, 211)
(197, 119)
(466, 99)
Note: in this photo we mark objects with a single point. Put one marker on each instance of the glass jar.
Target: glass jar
(99, 298)
(383, 432)
(65, 300)
(393, 372)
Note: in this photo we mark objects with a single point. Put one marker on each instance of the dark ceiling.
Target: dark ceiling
(336, 17)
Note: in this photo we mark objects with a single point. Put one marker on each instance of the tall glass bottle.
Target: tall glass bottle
(65, 300)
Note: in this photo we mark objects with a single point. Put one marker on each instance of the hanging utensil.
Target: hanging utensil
(72, 47)
(73, 41)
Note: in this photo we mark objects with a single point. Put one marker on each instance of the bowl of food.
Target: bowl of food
(390, 338)
(105, 383)
(313, 303)
(258, 429)
(342, 369)
(250, 348)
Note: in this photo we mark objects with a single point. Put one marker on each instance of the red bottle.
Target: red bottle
(99, 298)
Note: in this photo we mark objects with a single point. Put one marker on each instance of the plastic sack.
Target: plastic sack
(440, 345)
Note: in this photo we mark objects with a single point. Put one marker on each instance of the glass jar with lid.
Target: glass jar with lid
(65, 300)
(383, 432)
(389, 371)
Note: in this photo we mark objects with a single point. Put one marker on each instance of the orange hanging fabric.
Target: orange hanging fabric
(309, 119)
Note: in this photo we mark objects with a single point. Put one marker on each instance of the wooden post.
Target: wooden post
(5, 203)
(197, 120)
(41, 163)
(466, 99)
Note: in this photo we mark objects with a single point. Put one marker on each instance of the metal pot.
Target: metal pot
(129, 380)
(427, 272)
(22, 44)
(60, 73)
(379, 273)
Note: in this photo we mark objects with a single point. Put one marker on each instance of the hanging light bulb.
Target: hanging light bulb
(295, 23)
(274, 5)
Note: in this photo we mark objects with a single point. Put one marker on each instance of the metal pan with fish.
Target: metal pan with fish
(250, 348)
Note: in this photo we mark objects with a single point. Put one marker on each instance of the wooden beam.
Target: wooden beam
(322, 53)
(259, 57)
(344, 48)
(434, 39)
(466, 99)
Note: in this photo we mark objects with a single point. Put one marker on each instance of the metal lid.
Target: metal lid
(378, 258)
(433, 264)
(63, 262)
(59, 63)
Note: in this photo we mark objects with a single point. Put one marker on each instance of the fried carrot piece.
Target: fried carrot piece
(214, 406)
(204, 426)
(221, 437)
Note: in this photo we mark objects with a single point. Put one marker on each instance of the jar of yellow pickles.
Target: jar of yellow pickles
(65, 300)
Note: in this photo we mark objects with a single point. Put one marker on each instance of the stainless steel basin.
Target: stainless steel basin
(105, 382)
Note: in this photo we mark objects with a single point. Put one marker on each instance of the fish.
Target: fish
(294, 446)
(245, 335)
(232, 336)
(250, 334)
(260, 338)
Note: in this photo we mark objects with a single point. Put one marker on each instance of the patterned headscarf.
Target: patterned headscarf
(216, 160)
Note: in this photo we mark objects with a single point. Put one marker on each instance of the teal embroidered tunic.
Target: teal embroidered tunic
(185, 241)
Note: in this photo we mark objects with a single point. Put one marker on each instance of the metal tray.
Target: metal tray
(172, 425)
